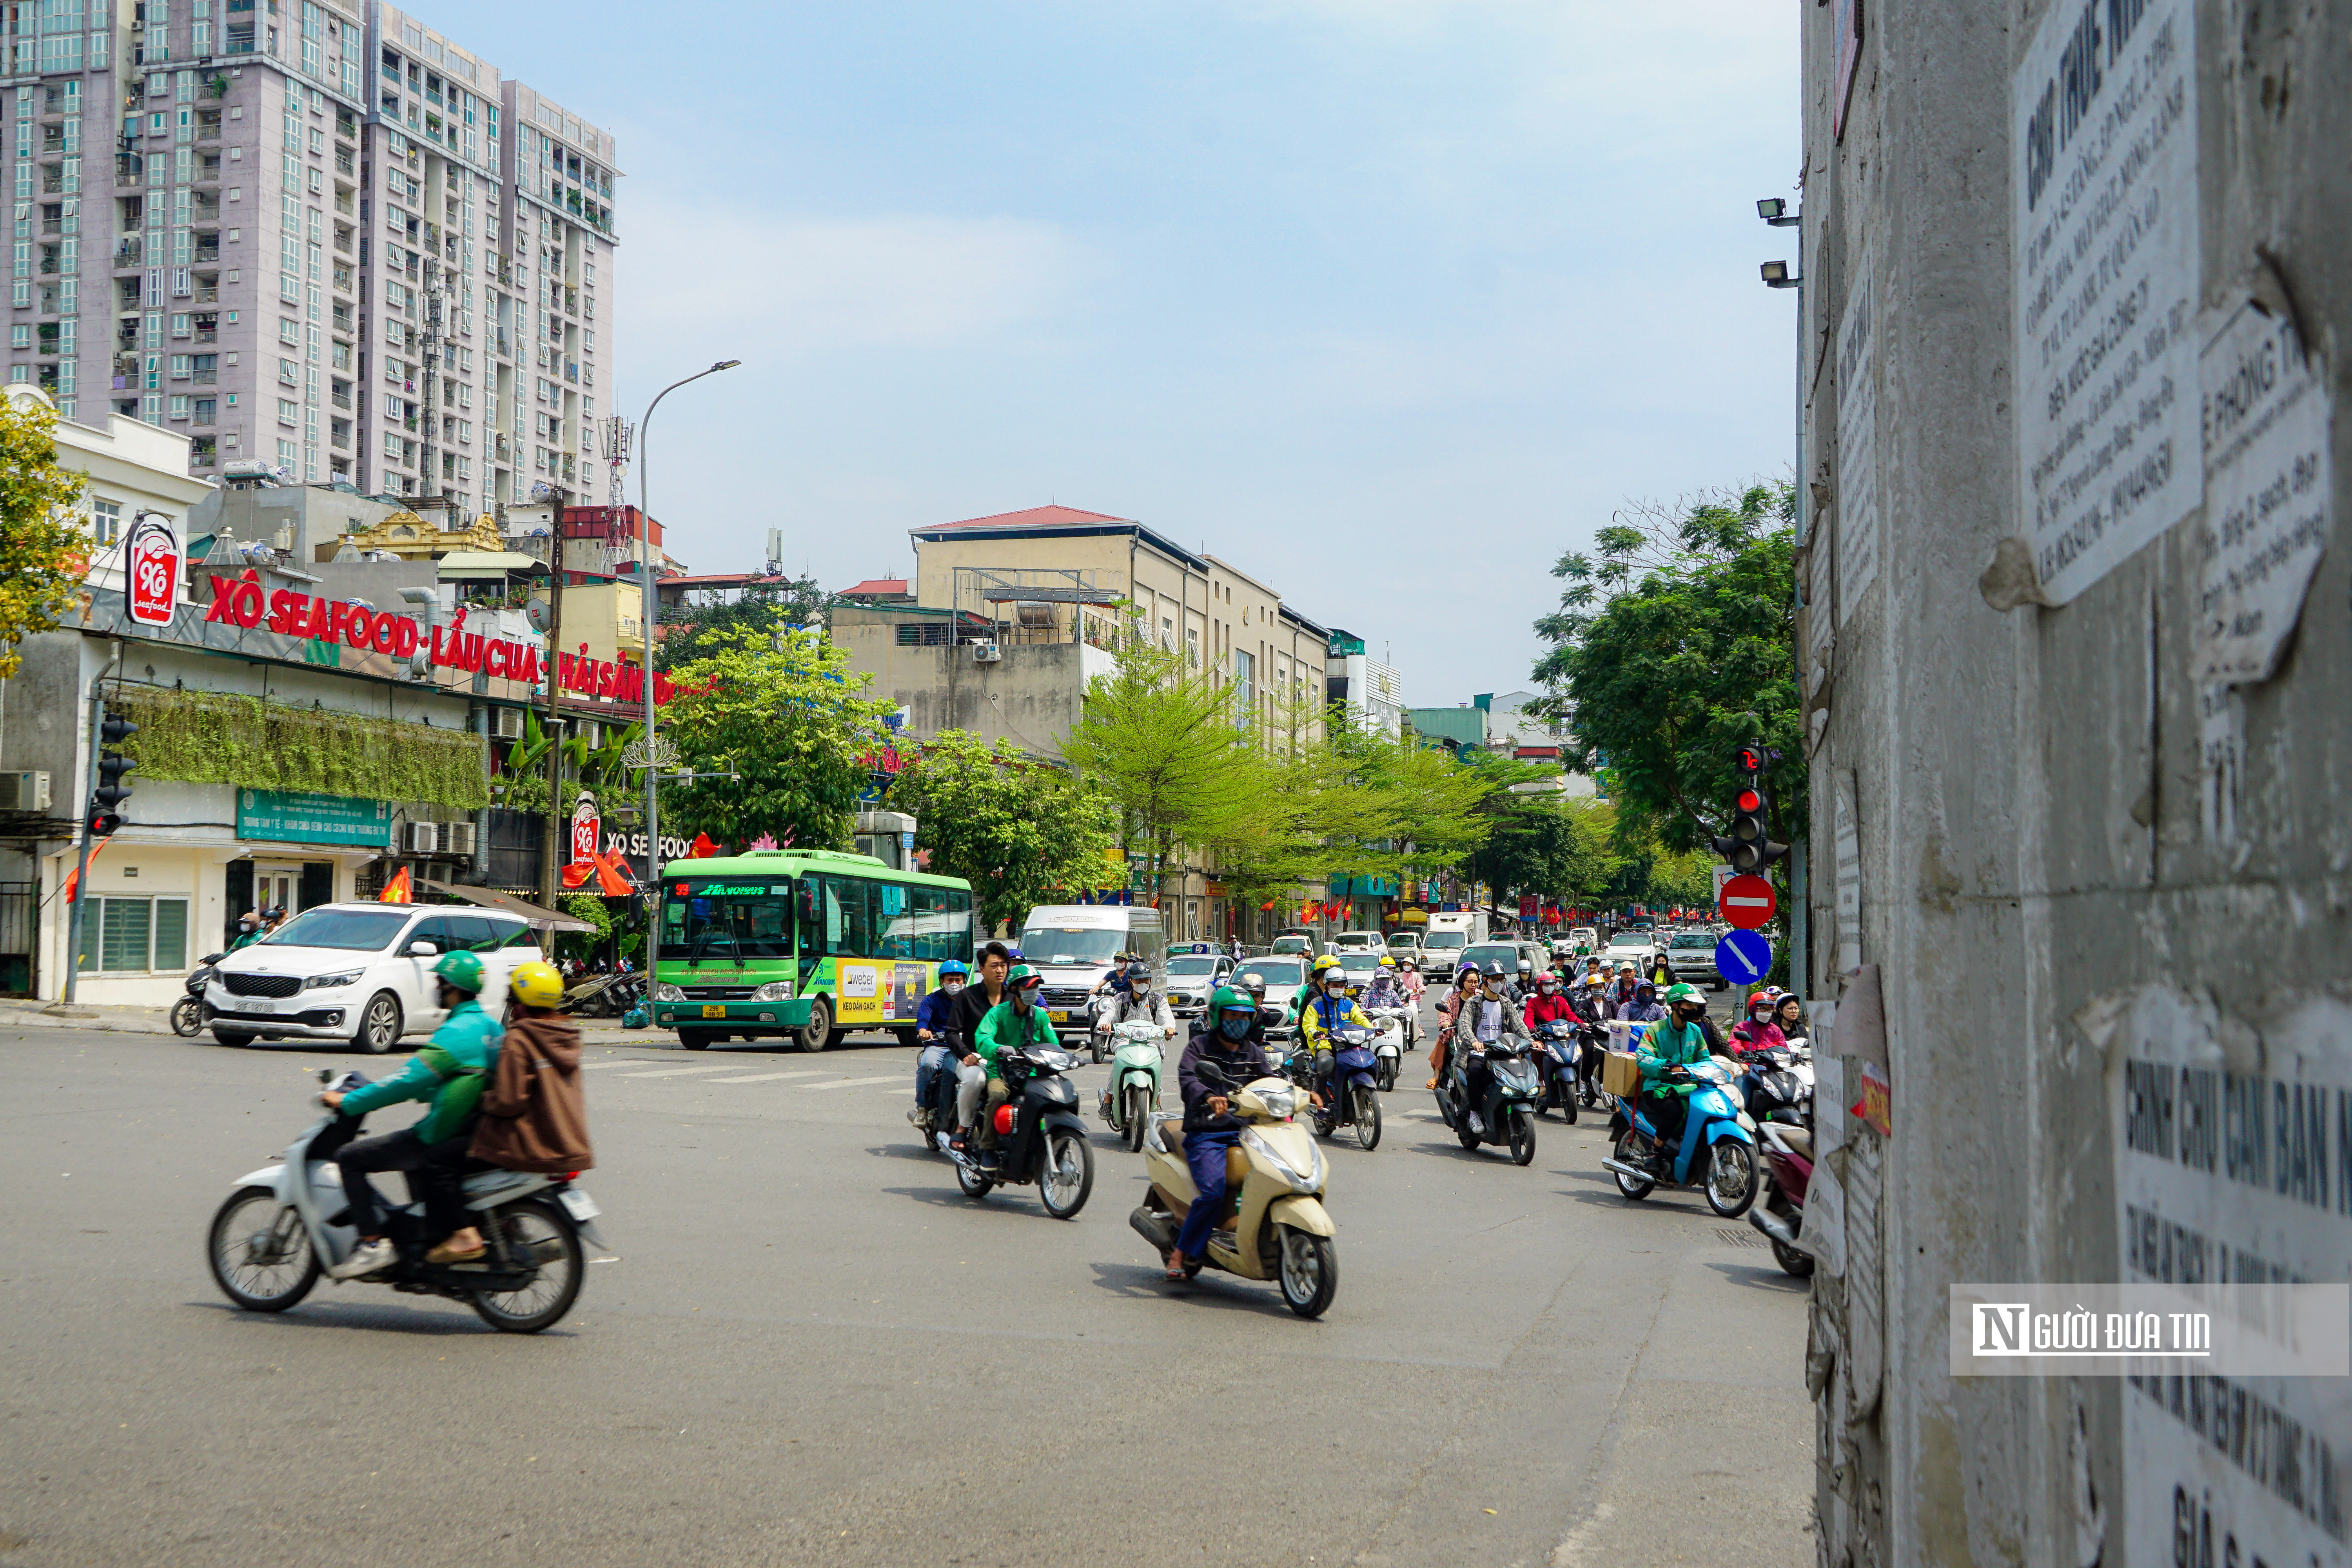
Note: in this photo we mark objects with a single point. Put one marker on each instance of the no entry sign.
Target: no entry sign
(1749, 902)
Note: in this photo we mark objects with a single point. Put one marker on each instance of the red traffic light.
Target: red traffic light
(1750, 801)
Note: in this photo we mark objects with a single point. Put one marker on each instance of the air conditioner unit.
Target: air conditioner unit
(506, 723)
(591, 732)
(423, 838)
(987, 653)
(25, 791)
(458, 838)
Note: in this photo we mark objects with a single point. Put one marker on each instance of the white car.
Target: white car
(361, 973)
(1359, 940)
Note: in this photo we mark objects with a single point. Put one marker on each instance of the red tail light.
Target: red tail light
(1004, 1122)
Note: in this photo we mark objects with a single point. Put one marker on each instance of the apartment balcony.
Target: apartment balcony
(203, 418)
(200, 213)
(208, 335)
(207, 133)
(209, 253)
(340, 399)
(204, 377)
(208, 293)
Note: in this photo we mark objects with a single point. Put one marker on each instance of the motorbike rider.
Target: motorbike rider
(1300, 998)
(1138, 1003)
(1548, 1005)
(1386, 989)
(1646, 1008)
(1409, 980)
(1788, 1012)
(249, 931)
(1480, 1019)
(1210, 1128)
(935, 1031)
(451, 1070)
(1667, 1051)
(1757, 1031)
(1523, 983)
(971, 1006)
(1251, 981)
(1621, 989)
(1015, 1021)
(1329, 1008)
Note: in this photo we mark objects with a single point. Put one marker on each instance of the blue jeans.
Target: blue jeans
(927, 1066)
(1205, 1152)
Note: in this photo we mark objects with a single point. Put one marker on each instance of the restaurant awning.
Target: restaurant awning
(487, 565)
(546, 920)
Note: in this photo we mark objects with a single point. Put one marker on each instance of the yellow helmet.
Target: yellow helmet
(536, 984)
(1387, 961)
(1327, 962)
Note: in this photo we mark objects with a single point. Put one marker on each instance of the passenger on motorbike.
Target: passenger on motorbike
(1548, 1005)
(1644, 1008)
(451, 1070)
(971, 1006)
(1757, 1031)
(1466, 985)
(1016, 1021)
(1210, 1128)
(1666, 1054)
(1481, 1019)
(935, 1031)
(1329, 1008)
(1788, 1012)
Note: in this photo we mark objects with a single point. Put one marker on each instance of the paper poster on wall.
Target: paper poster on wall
(2267, 493)
(1857, 445)
(860, 995)
(1846, 841)
(2104, 230)
(2229, 1152)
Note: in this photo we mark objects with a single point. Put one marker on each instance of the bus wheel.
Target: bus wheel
(817, 1033)
(906, 1038)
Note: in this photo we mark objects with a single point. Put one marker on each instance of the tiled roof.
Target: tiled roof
(1034, 517)
(876, 585)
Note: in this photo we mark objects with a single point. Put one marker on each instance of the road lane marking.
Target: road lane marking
(681, 1072)
(856, 1083)
(765, 1077)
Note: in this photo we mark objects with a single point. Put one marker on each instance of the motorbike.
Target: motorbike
(1274, 1225)
(1778, 1084)
(282, 1225)
(605, 996)
(1506, 1114)
(1779, 1214)
(1556, 1060)
(1039, 1136)
(190, 1015)
(936, 1113)
(1352, 1096)
(1593, 1048)
(1388, 1047)
(1133, 1093)
(1717, 1152)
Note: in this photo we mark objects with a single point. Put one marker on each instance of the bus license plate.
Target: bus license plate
(709, 1011)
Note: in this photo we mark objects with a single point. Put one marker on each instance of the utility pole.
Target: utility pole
(73, 917)
(550, 869)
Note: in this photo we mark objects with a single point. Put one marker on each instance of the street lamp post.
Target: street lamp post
(648, 616)
(1775, 210)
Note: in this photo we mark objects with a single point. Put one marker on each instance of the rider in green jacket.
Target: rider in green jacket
(1015, 1021)
(1683, 1037)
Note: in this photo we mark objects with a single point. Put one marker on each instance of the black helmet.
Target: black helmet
(1494, 970)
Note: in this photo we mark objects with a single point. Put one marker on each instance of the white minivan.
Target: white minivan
(360, 972)
(1071, 946)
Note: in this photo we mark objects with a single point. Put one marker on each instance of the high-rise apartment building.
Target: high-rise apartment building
(313, 234)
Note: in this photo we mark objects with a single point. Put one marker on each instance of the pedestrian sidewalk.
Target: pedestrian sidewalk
(23, 1013)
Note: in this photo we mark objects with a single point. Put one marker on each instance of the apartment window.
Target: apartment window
(290, 372)
(135, 935)
(390, 445)
(289, 330)
(179, 406)
(285, 454)
(181, 365)
(20, 336)
(183, 324)
(105, 520)
(205, 410)
(288, 411)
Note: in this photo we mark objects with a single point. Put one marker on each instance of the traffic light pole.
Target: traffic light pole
(81, 867)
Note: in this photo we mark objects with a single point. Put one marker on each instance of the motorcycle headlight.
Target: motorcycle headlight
(1281, 1102)
(666, 992)
(320, 981)
(773, 991)
(1308, 1181)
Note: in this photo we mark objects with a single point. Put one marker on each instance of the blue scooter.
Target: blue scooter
(1353, 1095)
(1717, 1151)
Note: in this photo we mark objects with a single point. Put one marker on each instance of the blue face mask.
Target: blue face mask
(1233, 1027)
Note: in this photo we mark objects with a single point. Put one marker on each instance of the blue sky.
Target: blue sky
(1386, 301)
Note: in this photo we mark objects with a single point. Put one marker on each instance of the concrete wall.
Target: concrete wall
(2036, 827)
(1033, 697)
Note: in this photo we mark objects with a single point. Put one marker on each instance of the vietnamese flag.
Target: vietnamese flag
(74, 877)
(702, 849)
(397, 890)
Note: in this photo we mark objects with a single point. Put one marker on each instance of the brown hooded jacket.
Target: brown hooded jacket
(533, 1118)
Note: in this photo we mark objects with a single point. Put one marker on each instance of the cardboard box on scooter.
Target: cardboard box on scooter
(1621, 1073)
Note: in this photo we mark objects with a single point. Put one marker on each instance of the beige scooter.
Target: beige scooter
(1274, 1225)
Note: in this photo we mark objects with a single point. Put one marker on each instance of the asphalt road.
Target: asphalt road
(812, 1349)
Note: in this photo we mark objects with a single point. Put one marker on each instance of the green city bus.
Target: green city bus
(805, 944)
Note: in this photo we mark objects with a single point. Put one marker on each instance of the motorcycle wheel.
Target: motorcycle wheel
(1368, 1118)
(187, 1018)
(1309, 1272)
(1568, 1100)
(973, 1183)
(1793, 1261)
(1068, 1175)
(1138, 1119)
(1523, 1136)
(1730, 1178)
(1388, 1074)
(287, 1268)
(529, 1226)
(1635, 1188)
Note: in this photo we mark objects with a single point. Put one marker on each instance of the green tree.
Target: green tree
(1178, 759)
(696, 631)
(1018, 830)
(783, 715)
(44, 543)
(1672, 649)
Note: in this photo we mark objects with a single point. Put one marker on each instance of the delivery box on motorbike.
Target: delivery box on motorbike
(1621, 1073)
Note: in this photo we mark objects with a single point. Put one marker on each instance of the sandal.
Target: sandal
(442, 1253)
(1177, 1273)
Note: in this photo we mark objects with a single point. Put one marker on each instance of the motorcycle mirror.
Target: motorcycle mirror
(326, 1075)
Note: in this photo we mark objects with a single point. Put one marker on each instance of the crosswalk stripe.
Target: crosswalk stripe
(854, 1082)
(765, 1077)
(681, 1072)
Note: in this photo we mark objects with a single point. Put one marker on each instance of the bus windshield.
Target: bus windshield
(729, 918)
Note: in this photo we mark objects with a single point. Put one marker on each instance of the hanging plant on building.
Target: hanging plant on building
(220, 737)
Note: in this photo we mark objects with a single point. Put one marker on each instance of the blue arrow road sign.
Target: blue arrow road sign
(1744, 957)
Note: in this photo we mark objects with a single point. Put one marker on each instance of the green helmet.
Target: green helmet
(1230, 999)
(1681, 991)
(1019, 973)
(462, 970)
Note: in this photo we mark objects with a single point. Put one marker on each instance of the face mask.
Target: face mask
(1020, 1001)
(951, 986)
(1233, 1027)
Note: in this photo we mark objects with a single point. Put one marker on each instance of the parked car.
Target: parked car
(360, 972)
(1629, 944)
(1192, 979)
(1405, 944)
(1295, 942)
(1369, 940)
(1691, 956)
